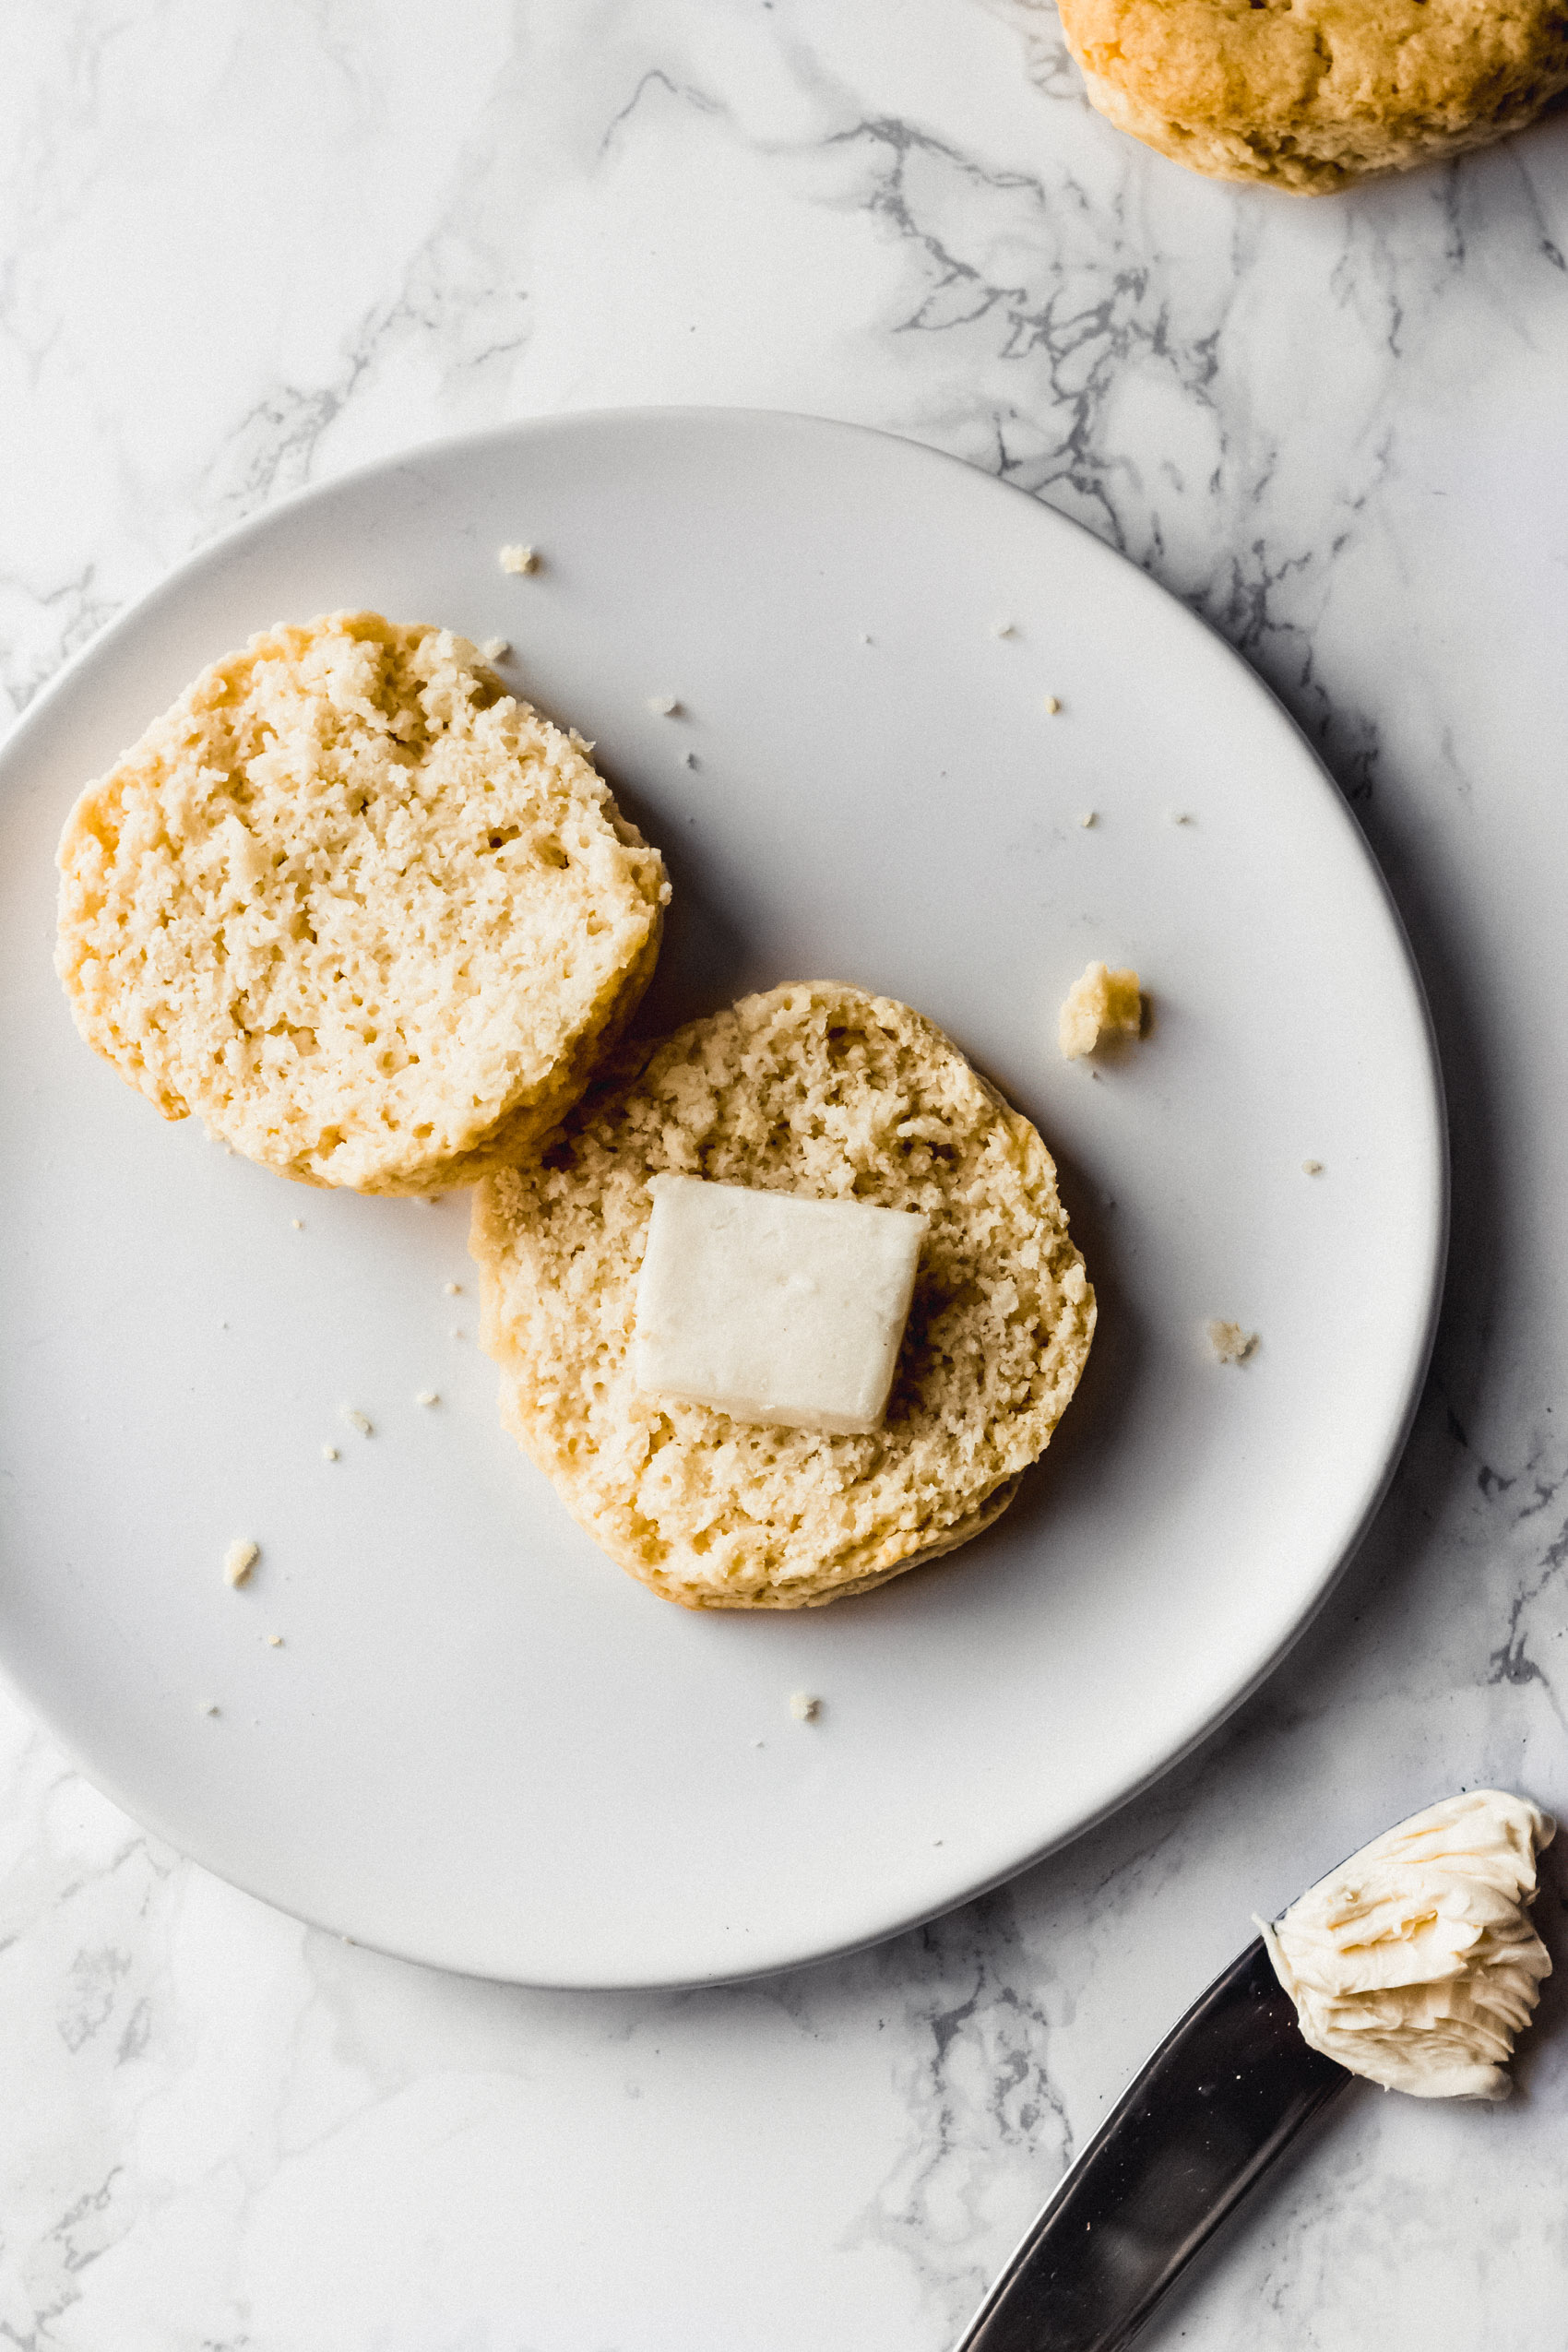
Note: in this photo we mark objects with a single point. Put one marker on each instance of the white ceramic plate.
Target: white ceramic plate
(480, 1744)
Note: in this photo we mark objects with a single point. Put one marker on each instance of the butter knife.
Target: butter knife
(1213, 2108)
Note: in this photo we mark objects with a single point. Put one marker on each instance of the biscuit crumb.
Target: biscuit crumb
(664, 705)
(275, 1641)
(516, 558)
(239, 1560)
(691, 759)
(329, 1454)
(361, 1422)
(803, 1708)
(1099, 1002)
(865, 639)
(1002, 629)
(427, 1396)
(1177, 816)
(454, 1333)
(453, 1290)
(1088, 817)
(497, 649)
(208, 1706)
(298, 1223)
(1230, 1342)
(1053, 705)
(1312, 1167)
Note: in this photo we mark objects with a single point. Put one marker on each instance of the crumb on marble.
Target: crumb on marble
(239, 1560)
(514, 557)
(497, 649)
(1100, 1003)
(1230, 1342)
(803, 1708)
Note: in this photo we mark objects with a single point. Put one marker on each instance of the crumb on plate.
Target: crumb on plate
(1100, 1001)
(664, 705)
(427, 1396)
(361, 1422)
(803, 1708)
(1230, 1342)
(239, 1558)
(1312, 1167)
(513, 557)
(497, 649)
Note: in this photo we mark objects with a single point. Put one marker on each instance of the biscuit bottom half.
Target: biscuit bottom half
(817, 1089)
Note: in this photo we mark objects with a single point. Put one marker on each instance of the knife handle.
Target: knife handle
(1213, 2108)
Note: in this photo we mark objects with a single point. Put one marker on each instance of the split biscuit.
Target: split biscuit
(820, 1090)
(1312, 95)
(367, 916)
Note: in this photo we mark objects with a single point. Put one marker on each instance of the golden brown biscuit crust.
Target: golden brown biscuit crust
(1311, 95)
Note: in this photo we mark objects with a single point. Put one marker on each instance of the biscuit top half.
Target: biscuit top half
(354, 906)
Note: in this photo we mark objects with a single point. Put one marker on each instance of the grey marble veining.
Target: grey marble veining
(245, 248)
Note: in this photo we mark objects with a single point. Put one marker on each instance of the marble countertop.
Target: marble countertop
(247, 248)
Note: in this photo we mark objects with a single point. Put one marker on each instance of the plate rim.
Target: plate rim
(1362, 1510)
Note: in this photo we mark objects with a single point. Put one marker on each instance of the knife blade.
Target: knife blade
(1223, 2093)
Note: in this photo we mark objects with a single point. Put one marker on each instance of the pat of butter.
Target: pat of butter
(772, 1308)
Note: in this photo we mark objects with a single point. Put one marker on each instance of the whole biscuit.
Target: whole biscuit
(370, 918)
(817, 1089)
(1311, 95)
